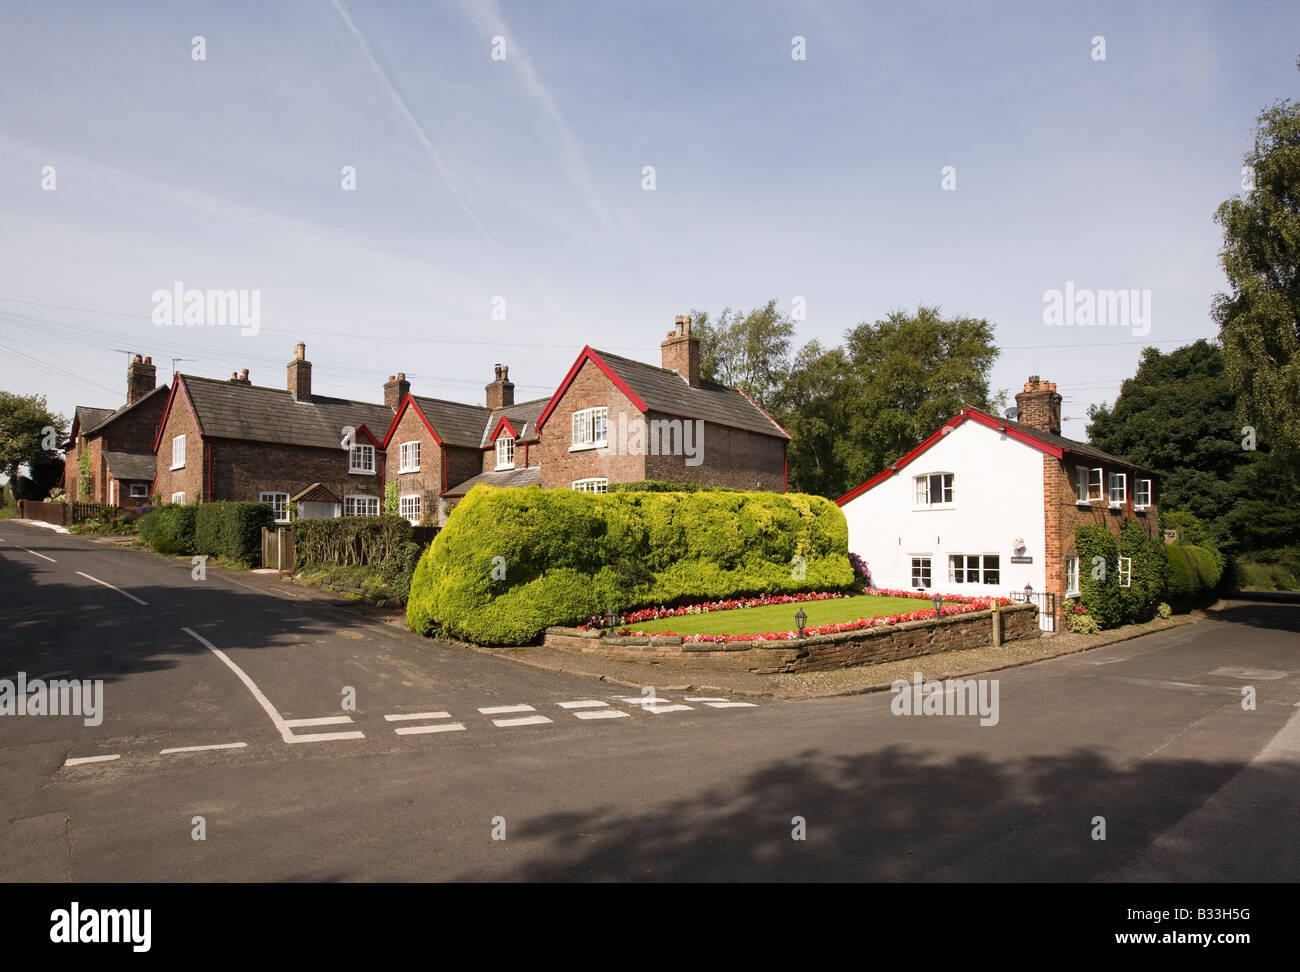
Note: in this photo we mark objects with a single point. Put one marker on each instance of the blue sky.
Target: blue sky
(522, 178)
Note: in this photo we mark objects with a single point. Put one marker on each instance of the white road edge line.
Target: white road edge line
(41, 555)
(81, 760)
(111, 587)
(201, 749)
(503, 709)
(407, 716)
(731, 705)
(286, 733)
(436, 727)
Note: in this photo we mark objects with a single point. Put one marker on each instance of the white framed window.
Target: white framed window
(279, 503)
(1087, 484)
(1125, 571)
(178, 451)
(921, 572)
(361, 459)
(591, 485)
(1071, 576)
(933, 489)
(410, 457)
(506, 452)
(974, 568)
(1142, 489)
(139, 491)
(361, 505)
(409, 508)
(178, 499)
(1118, 483)
(589, 427)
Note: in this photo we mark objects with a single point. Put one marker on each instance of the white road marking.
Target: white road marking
(536, 720)
(731, 705)
(111, 587)
(404, 716)
(660, 709)
(41, 555)
(502, 709)
(584, 704)
(81, 760)
(435, 727)
(286, 732)
(201, 749)
(602, 714)
(702, 698)
(323, 721)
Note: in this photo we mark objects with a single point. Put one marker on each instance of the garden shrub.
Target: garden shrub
(1099, 589)
(1194, 573)
(232, 530)
(176, 523)
(383, 543)
(663, 486)
(513, 561)
(1148, 570)
(1165, 611)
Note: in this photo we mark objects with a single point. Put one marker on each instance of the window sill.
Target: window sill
(504, 468)
(934, 506)
(174, 468)
(361, 472)
(602, 444)
(403, 472)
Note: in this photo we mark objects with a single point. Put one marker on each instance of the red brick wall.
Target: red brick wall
(190, 478)
(241, 470)
(428, 482)
(730, 457)
(135, 431)
(590, 388)
(1063, 515)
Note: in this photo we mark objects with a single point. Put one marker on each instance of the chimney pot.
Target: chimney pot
(395, 390)
(501, 390)
(681, 352)
(141, 378)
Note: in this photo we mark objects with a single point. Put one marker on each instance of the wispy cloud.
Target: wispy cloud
(487, 16)
(449, 178)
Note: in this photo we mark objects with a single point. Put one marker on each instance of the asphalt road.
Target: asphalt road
(1149, 734)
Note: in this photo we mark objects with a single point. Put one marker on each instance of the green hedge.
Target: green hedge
(567, 556)
(1099, 589)
(232, 531)
(663, 486)
(384, 543)
(1194, 572)
(1148, 575)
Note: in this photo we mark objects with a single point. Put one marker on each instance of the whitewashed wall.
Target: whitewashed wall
(997, 497)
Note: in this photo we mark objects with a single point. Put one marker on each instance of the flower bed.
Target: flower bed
(954, 604)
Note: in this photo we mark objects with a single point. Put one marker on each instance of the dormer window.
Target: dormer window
(506, 452)
(361, 459)
(934, 489)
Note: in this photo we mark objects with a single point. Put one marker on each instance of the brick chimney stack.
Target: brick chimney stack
(240, 378)
(396, 388)
(501, 391)
(300, 374)
(1040, 405)
(681, 352)
(141, 378)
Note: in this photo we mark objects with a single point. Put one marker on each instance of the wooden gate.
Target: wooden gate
(277, 549)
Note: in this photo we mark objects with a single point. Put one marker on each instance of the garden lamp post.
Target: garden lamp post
(611, 620)
(801, 619)
(938, 604)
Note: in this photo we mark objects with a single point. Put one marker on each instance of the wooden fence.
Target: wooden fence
(64, 514)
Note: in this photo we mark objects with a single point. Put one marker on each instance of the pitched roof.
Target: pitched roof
(522, 417)
(132, 465)
(86, 418)
(1040, 439)
(233, 410)
(114, 416)
(528, 476)
(652, 388)
(456, 423)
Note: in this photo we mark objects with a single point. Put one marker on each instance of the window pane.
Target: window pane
(955, 572)
(947, 487)
(992, 569)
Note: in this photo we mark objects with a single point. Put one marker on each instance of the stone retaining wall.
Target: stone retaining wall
(888, 642)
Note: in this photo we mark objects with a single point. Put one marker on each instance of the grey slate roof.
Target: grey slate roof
(523, 416)
(86, 418)
(132, 465)
(1080, 449)
(232, 410)
(114, 416)
(529, 476)
(456, 423)
(664, 391)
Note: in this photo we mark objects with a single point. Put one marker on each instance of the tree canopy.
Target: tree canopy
(30, 433)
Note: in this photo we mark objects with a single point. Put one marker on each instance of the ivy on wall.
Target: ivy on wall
(1100, 576)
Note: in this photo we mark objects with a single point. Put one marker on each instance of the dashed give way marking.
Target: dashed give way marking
(533, 720)
(285, 726)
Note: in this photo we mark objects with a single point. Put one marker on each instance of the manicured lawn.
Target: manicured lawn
(780, 617)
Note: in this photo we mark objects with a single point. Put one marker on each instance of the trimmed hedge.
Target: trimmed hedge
(232, 531)
(1109, 604)
(385, 543)
(513, 561)
(663, 486)
(1194, 572)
